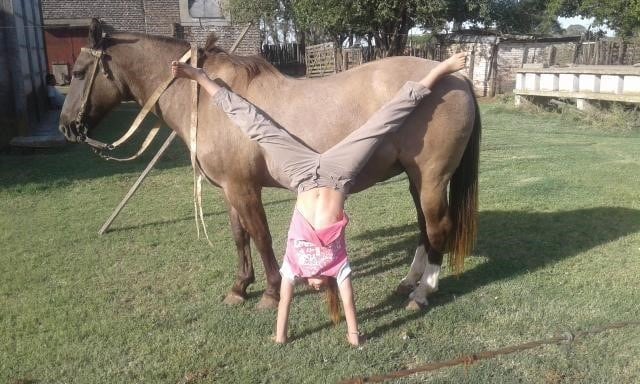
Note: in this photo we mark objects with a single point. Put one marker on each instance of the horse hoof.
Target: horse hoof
(233, 298)
(415, 306)
(404, 290)
(267, 302)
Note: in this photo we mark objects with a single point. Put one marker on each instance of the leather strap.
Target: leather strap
(151, 102)
(147, 141)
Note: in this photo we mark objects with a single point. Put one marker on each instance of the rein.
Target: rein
(100, 147)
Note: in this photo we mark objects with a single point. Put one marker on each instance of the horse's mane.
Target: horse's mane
(153, 38)
(252, 65)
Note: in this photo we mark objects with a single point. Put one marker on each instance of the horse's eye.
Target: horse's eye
(78, 75)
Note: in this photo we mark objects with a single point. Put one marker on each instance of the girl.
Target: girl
(316, 249)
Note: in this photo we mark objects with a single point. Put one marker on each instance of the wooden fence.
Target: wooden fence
(283, 54)
(492, 65)
(320, 60)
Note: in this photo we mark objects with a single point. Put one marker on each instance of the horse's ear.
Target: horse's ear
(95, 33)
(210, 47)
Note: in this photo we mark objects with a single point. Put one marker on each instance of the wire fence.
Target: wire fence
(565, 339)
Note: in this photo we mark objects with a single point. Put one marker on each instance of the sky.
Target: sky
(567, 21)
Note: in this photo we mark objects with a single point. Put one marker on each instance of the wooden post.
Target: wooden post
(136, 185)
(345, 60)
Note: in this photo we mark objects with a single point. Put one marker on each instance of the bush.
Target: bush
(604, 116)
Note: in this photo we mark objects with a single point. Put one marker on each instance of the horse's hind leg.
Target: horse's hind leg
(409, 283)
(433, 199)
(246, 202)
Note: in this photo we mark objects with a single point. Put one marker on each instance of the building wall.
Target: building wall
(479, 66)
(155, 17)
(512, 55)
(23, 100)
(227, 35)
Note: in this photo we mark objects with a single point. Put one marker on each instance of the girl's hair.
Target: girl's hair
(332, 300)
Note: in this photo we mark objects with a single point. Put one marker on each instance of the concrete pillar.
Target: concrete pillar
(589, 83)
(568, 82)
(549, 82)
(631, 84)
(520, 100)
(519, 81)
(532, 81)
(584, 104)
(611, 84)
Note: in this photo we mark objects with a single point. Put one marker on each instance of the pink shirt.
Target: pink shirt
(312, 252)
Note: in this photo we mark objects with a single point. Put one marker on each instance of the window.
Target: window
(202, 12)
(204, 9)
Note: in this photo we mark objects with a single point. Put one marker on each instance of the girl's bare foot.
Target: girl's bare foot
(454, 63)
(186, 71)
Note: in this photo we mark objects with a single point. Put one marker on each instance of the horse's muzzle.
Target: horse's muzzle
(70, 132)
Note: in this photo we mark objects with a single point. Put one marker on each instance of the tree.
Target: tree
(575, 30)
(387, 23)
(524, 17)
(623, 16)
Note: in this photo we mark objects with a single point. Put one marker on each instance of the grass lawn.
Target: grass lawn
(558, 249)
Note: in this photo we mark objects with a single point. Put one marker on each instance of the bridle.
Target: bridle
(81, 118)
(82, 126)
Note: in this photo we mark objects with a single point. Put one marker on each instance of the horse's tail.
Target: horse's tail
(463, 197)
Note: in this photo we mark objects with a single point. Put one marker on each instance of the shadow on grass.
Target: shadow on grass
(189, 218)
(62, 166)
(514, 243)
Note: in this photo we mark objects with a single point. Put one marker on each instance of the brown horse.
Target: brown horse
(437, 147)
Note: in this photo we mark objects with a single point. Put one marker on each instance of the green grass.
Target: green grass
(558, 249)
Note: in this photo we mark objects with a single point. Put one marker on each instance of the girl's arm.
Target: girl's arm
(183, 70)
(349, 305)
(282, 322)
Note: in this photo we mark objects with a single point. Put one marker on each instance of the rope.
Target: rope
(566, 338)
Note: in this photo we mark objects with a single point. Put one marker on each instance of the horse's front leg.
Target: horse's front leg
(247, 203)
(244, 275)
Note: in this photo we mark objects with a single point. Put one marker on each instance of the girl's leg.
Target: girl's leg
(291, 156)
(348, 157)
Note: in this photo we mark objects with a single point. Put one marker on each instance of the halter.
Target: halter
(81, 119)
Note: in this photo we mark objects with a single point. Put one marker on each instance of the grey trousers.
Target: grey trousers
(338, 166)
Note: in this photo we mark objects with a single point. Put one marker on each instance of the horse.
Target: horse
(437, 147)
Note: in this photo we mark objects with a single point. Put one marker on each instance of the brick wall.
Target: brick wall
(479, 70)
(155, 17)
(161, 16)
(117, 15)
(227, 35)
(512, 55)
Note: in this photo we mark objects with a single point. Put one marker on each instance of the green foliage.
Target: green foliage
(623, 16)
(524, 17)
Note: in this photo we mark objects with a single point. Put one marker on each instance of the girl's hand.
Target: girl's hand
(355, 338)
(278, 341)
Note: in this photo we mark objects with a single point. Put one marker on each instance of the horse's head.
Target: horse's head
(94, 89)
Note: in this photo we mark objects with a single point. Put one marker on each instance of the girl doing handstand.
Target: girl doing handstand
(316, 248)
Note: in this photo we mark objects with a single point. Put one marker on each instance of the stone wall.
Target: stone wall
(513, 54)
